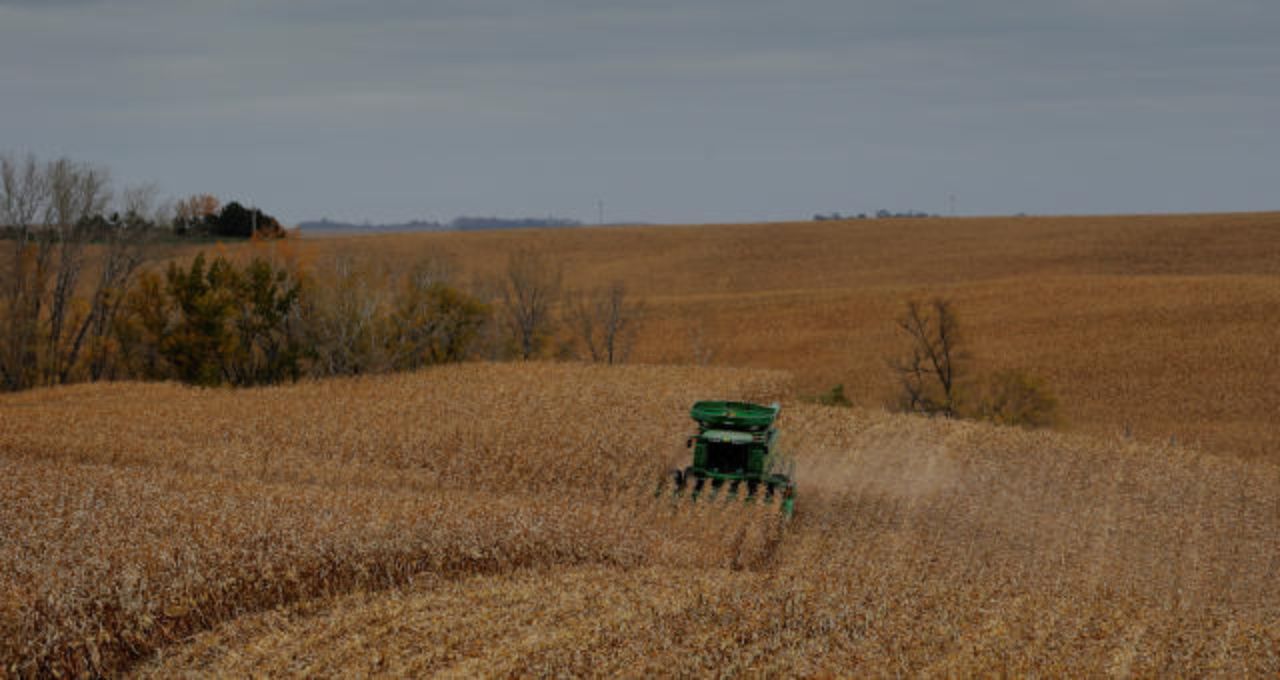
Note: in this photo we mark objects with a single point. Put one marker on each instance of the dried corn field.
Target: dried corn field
(1163, 326)
(500, 520)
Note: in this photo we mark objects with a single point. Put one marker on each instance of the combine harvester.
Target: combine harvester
(735, 451)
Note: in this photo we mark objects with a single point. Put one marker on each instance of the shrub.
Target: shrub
(1015, 397)
(433, 324)
(214, 324)
(834, 397)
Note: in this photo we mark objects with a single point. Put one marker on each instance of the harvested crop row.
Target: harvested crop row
(918, 546)
(926, 618)
(103, 565)
(530, 428)
(135, 515)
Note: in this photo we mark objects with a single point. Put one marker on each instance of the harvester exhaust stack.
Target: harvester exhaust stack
(735, 451)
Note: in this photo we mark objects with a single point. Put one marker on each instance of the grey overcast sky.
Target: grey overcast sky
(667, 110)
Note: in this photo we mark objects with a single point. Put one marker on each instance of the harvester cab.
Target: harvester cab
(735, 454)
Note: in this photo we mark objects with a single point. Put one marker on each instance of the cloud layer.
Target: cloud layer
(667, 111)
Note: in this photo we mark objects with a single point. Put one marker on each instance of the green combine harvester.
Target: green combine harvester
(735, 454)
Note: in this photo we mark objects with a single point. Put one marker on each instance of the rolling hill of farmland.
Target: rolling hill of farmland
(1161, 326)
(499, 519)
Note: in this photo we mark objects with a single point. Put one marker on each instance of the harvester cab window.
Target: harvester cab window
(724, 457)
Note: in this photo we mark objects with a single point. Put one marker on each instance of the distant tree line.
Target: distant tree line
(327, 225)
(200, 216)
(481, 223)
(70, 254)
(879, 214)
(215, 322)
(457, 224)
(82, 298)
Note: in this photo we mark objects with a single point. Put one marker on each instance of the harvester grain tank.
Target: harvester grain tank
(735, 453)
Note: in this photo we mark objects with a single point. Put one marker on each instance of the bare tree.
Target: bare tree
(76, 193)
(432, 268)
(123, 249)
(44, 203)
(930, 371)
(52, 212)
(193, 212)
(606, 322)
(23, 203)
(430, 321)
(529, 291)
(343, 319)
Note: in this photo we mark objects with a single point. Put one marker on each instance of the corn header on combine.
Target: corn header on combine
(735, 455)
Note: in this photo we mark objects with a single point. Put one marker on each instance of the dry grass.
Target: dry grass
(1165, 326)
(136, 514)
(498, 520)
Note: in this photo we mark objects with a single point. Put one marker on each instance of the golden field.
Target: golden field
(1165, 327)
(499, 519)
